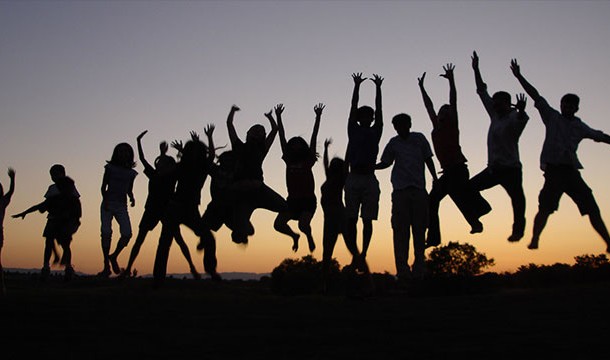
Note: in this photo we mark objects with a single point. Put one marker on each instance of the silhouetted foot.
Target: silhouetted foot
(295, 242)
(45, 272)
(432, 243)
(56, 259)
(239, 238)
(476, 228)
(215, 276)
(104, 273)
(514, 237)
(115, 265)
(124, 274)
(200, 245)
(311, 243)
(68, 273)
(195, 274)
(533, 245)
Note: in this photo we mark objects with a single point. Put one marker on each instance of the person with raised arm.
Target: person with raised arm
(300, 158)
(364, 129)
(455, 179)
(5, 199)
(250, 191)
(504, 168)
(559, 161)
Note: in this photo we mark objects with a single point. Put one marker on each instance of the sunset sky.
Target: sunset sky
(79, 77)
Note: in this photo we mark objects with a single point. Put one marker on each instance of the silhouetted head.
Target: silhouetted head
(444, 113)
(569, 104)
(194, 155)
(227, 160)
(297, 149)
(402, 124)
(256, 134)
(501, 102)
(123, 156)
(57, 171)
(336, 169)
(164, 164)
(365, 116)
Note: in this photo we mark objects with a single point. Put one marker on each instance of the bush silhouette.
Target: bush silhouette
(299, 276)
(591, 261)
(455, 259)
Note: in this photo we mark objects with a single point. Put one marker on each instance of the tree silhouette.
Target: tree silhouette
(457, 259)
(300, 276)
(591, 261)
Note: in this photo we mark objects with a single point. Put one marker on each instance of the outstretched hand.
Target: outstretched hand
(20, 215)
(420, 80)
(358, 79)
(209, 130)
(177, 144)
(142, 135)
(327, 142)
(279, 109)
(194, 136)
(475, 60)
(521, 102)
(448, 71)
(235, 108)
(318, 109)
(377, 80)
(11, 173)
(514, 67)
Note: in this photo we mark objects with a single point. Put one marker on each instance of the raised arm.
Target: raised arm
(11, 188)
(378, 80)
(141, 150)
(529, 89)
(231, 128)
(316, 127)
(274, 127)
(279, 109)
(452, 90)
(427, 101)
(209, 132)
(478, 79)
(358, 79)
(327, 143)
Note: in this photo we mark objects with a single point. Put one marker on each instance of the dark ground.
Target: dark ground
(92, 318)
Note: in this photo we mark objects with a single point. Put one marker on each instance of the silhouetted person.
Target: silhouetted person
(183, 207)
(5, 199)
(364, 129)
(503, 163)
(300, 158)
(117, 186)
(455, 179)
(161, 184)
(334, 211)
(250, 190)
(408, 151)
(559, 161)
(63, 208)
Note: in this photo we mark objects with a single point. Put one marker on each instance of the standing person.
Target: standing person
(63, 208)
(334, 211)
(503, 163)
(161, 184)
(5, 199)
(250, 191)
(183, 207)
(408, 151)
(455, 179)
(559, 161)
(300, 158)
(117, 186)
(364, 129)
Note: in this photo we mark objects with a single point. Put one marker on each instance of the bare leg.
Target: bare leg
(599, 226)
(281, 225)
(539, 224)
(305, 227)
(367, 233)
(187, 254)
(135, 250)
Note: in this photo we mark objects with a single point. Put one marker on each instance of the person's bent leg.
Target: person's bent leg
(513, 184)
(281, 225)
(305, 228)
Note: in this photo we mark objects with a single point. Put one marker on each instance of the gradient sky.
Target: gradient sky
(78, 77)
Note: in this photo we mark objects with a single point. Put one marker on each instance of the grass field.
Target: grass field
(91, 318)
